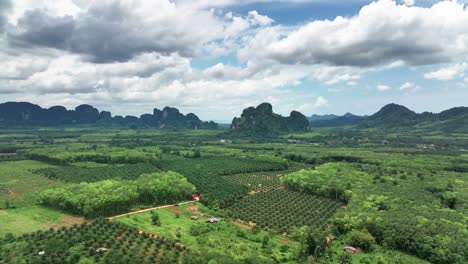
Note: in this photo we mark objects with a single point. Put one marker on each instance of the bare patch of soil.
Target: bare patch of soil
(192, 208)
(175, 210)
(67, 221)
(245, 226)
(15, 195)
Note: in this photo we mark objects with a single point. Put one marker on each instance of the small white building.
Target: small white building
(102, 249)
(350, 250)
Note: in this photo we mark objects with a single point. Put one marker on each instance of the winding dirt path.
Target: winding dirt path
(152, 208)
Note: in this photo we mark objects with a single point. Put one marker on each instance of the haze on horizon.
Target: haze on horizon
(314, 56)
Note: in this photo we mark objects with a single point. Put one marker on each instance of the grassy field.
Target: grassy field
(19, 186)
(28, 219)
(234, 239)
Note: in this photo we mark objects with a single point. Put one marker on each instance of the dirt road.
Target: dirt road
(151, 209)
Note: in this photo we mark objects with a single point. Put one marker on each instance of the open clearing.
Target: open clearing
(217, 238)
(29, 219)
(19, 185)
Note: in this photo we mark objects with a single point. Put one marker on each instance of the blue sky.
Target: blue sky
(215, 58)
(287, 13)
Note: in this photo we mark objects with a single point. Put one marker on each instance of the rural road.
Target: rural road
(152, 208)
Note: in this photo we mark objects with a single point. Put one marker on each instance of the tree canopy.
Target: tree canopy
(109, 197)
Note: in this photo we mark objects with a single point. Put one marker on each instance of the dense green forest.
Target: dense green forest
(110, 197)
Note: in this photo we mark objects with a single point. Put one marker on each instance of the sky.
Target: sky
(215, 58)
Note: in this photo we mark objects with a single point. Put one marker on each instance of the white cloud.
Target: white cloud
(55, 8)
(332, 75)
(383, 32)
(258, 19)
(153, 80)
(409, 88)
(221, 71)
(237, 25)
(308, 108)
(320, 102)
(383, 88)
(22, 66)
(117, 30)
(407, 85)
(448, 73)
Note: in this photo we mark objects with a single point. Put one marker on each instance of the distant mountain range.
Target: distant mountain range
(333, 120)
(261, 121)
(398, 116)
(315, 117)
(254, 121)
(392, 115)
(24, 114)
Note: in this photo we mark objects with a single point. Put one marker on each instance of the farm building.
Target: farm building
(102, 249)
(350, 250)
(213, 220)
(425, 146)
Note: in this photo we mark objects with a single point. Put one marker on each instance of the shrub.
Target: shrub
(345, 258)
(155, 219)
(362, 240)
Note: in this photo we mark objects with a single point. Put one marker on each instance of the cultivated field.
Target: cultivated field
(278, 201)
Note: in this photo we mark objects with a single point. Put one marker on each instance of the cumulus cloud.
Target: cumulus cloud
(69, 74)
(332, 75)
(149, 80)
(409, 88)
(21, 67)
(108, 31)
(448, 73)
(407, 85)
(319, 102)
(221, 71)
(383, 88)
(382, 32)
(258, 19)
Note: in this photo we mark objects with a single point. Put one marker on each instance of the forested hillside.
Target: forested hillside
(393, 116)
(21, 114)
(261, 121)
